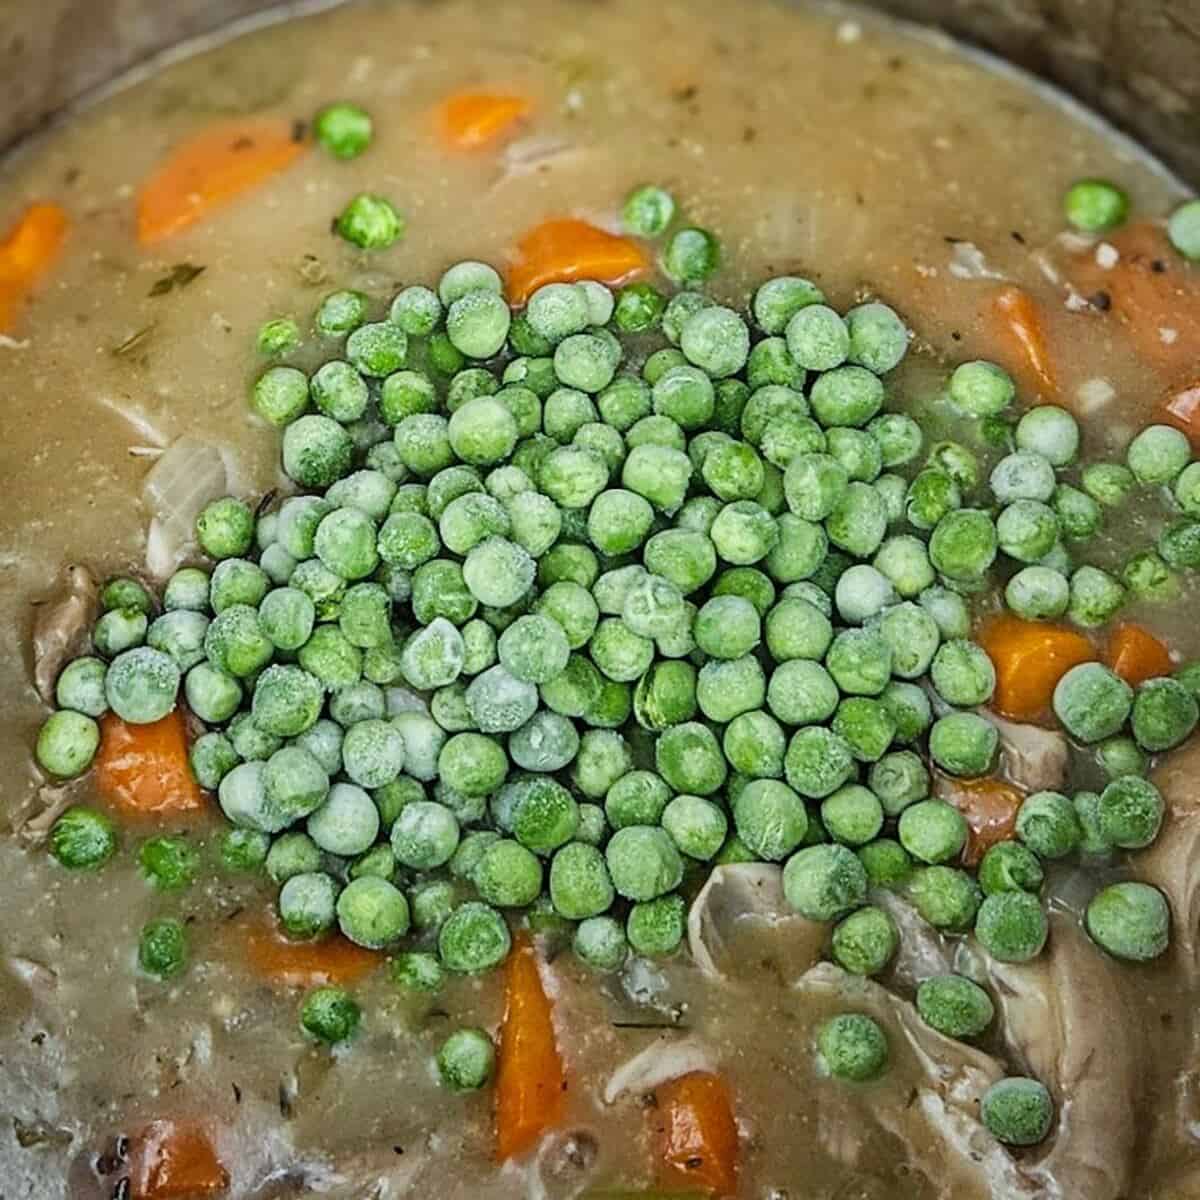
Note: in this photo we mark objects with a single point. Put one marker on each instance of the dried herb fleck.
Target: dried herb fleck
(135, 340)
(179, 276)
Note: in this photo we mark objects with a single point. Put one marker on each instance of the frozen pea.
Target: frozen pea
(964, 544)
(347, 823)
(80, 687)
(963, 744)
(1038, 593)
(899, 779)
(689, 758)
(770, 818)
(865, 725)
(474, 938)
(1158, 454)
(946, 897)
(981, 389)
(824, 882)
(818, 762)
(1130, 920)
(864, 942)
(955, 1006)
(1010, 867)
(1011, 926)
(1092, 702)
(1164, 714)
(1131, 813)
(852, 815)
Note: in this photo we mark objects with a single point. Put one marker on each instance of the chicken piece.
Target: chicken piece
(1033, 758)
(60, 627)
(1049, 1011)
(750, 894)
(940, 1123)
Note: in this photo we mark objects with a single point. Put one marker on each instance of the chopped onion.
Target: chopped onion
(189, 474)
(967, 262)
(665, 1058)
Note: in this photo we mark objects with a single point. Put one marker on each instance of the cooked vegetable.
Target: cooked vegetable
(696, 1132)
(144, 768)
(210, 169)
(170, 1159)
(566, 250)
(475, 120)
(1030, 658)
(27, 252)
(530, 1088)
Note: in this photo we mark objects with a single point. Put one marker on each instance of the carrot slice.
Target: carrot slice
(473, 120)
(1020, 329)
(530, 1082)
(144, 769)
(990, 808)
(697, 1134)
(210, 169)
(1136, 654)
(1030, 658)
(566, 249)
(27, 253)
(1151, 293)
(174, 1160)
(303, 964)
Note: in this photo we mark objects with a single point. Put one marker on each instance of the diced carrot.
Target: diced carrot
(144, 769)
(1181, 408)
(27, 253)
(531, 1084)
(567, 249)
(285, 963)
(1030, 658)
(696, 1132)
(175, 1160)
(1152, 293)
(1136, 654)
(473, 120)
(1019, 328)
(990, 807)
(210, 169)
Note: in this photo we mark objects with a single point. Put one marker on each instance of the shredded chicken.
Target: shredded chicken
(1048, 1009)
(749, 893)
(60, 627)
(33, 823)
(941, 1127)
(1033, 758)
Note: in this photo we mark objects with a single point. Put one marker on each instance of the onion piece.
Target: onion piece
(664, 1059)
(188, 476)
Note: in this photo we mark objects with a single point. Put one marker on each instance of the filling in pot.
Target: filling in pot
(599, 605)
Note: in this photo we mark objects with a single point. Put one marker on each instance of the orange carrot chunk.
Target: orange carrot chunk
(1136, 654)
(697, 1134)
(990, 807)
(285, 963)
(144, 769)
(567, 249)
(1020, 331)
(1030, 658)
(473, 120)
(530, 1082)
(210, 169)
(172, 1160)
(27, 253)
(1151, 293)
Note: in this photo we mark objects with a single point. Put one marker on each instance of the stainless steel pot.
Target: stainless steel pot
(1136, 61)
